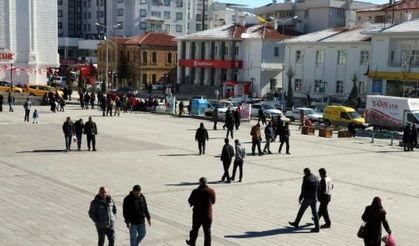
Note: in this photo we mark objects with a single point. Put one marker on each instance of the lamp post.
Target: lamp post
(11, 77)
(113, 27)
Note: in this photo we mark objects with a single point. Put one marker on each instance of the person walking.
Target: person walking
(256, 138)
(284, 137)
(27, 106)
(201, 199)
(237, 118)
(227, 154)
(278, 127)
(406, 138)
(261, 116)
(135, 212)
(269, 133)
(307, 198)
(92, 100)
(10, 101)
(1, 102)
(102, 211)
(103, 105)
(201, 136)
(240, 154)
(118, 105)
(35, 116)
(86, 99)
(324, 195)
(90, 129)
(374, 215)
(413, 137)
(229, 123)
(215, 117)
(68, 133)
(181, 106)
(78, 130)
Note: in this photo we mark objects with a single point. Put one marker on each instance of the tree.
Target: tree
(124, 69)
(290, 97)
(354, 95)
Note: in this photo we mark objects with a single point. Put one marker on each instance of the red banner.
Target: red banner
(211, 63)
(6, 56)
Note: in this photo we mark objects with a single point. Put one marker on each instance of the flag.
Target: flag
(261, 19)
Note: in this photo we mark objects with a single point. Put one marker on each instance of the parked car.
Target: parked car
(322, 102)
(239, 99)
(221, 106)
(342, 116)
(40, 90)
(270, 112)
(312, 115)
(5, 86)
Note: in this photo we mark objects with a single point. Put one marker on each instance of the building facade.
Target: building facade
(398, 12)
(148, 59)
(28, 40)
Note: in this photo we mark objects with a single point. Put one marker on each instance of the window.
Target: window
(88, 27)
(198, 27)
(299, 56)
(60, 13)
(276, 51)
(365, 57)
(344, 115)
(226, 50)
(178, 28)
(166, 2)
(143, 13)
(392, 57)
(154, 57)
(414, 58)
(156, 13)
(102, 13)
(319, 56)
(317, 85)
(199, 17)
(236, 52)
(298, 85)
(60, 2)
(339, 86)
(120, 25)
(102, 2)
(144, 78)
(60, 25)
(179, 16)
(166, 14)
(153, 78)
(342, 56)
(120, 12)
(169, 58)
(179, 3)
(143, 25)
(120, 1)
(89, 15)
(145, 57)
(362, 88)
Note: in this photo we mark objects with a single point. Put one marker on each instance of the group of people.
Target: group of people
(74, 132)
(87, 99)
(410, 137)
(273, 129)
(56, 102)
(10, 101)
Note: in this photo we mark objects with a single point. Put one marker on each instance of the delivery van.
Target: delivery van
(342, 116)
(393, 113)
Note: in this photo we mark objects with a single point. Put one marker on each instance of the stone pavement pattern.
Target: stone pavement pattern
(46, 193)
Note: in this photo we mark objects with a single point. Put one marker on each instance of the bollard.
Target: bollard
(373, 135)
(392, 138)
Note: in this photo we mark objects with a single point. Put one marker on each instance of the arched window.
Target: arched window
(153, 78)
(145, 57)
(128, 56)
(154, 58)
(169, 58)
(145, 78)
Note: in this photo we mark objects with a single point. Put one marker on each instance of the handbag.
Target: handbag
(361, 231)
(74, 139)
(389, 240)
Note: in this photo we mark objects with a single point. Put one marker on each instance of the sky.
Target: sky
(258, 3)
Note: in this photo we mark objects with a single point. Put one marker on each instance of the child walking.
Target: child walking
(35, 116)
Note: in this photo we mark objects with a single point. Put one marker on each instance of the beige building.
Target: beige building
(401, 11)
(139, 60)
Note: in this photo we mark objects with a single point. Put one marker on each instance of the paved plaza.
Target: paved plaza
(46, 192)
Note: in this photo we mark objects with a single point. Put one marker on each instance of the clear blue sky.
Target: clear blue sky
(258, 3)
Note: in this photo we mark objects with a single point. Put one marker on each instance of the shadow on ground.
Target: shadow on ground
(42, 151)
(273, 232)
(179, 155)
(194, 183)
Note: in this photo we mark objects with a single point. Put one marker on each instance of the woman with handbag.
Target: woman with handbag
(374, 215)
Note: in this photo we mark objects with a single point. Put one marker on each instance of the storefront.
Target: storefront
(400, 84)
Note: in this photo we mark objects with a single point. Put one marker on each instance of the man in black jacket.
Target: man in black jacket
(78, 130)
(227, 154)
(103, 213)
(307, 198)
(68, 133)
(201, 136)
(135, 212)
(90, 130)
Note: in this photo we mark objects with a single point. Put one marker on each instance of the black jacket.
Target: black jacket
(68, 128)
(227, 153)
(309, 187)
(201, 134)
(135, 209)
(90, 128)
(78, 127)
(102, 212)
(374, 220)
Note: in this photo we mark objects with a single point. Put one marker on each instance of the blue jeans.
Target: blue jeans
(79, 136)
(68, 139)
(136, 233)
(109, 232)
(312, 202)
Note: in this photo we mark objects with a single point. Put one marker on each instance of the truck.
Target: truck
(392, 113)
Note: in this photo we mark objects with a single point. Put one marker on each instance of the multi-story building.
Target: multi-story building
(313, 15)
(28, 40)
(398, 12)
(229, 55)
(148, 59)
(197, 15)
(227, 13)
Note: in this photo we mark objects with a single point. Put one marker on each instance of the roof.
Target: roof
(152, 38)
(119, 40)
(409, 26)
(400, 5)
(356, 33)
(235, 31)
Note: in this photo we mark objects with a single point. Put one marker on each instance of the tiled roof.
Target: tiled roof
(119, 40)
(152, 38)
(400, 5)
(405, 27)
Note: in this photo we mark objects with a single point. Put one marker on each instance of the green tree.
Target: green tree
(124, 69)
(290, 97)
(354, 95)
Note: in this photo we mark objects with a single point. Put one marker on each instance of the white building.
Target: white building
(226, 14)
(28, 39)
(230, 55)
(325, 62)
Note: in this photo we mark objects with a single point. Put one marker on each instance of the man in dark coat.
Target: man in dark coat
(201, 199)
(324, 195)
(229, 122)
(308, 198)
(68, 133)
(90, 129)
(10, 100)
(406, 138)
(284, 137)
(1, 102)
(103, 105)
(201, 136)
(237, 118)
(103, 213)
(227, 154)
(261, 116)
(413, 137)
(269, 132)
(135, 212)
(215, 117)
(78, 130)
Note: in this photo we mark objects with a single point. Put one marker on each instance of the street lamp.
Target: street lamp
(11, 77)
(113, 27)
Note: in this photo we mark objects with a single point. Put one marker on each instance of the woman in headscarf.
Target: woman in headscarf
(374, 216)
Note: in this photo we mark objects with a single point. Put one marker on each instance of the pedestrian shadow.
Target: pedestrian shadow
(273, 232)
(194, 183)
(42, 151)
(180, 155)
